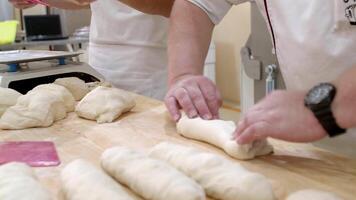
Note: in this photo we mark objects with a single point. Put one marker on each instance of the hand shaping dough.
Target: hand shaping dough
(220, 133)
(8, 98)
(18, 182)
(313, 195)
(40, 107)
(80, 177)
(221, 178)
(150, 178)
(105, 104)
(76, 86)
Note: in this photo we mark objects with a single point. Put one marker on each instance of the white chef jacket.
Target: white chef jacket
(128, 48)
(314, 40)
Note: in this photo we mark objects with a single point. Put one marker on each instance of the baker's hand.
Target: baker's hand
(196, 95)
(21, 4)
(281, 115)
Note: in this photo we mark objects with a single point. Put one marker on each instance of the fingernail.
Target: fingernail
(176, 117)
(193, 114)
(207, 117)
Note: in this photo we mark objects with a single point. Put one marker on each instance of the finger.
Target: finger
(257, 131)
(199, 101)
(211, 95)
(253, 116)
(173, 108)
(185, 102)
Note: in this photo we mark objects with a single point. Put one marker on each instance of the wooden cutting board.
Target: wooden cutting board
(292, 167)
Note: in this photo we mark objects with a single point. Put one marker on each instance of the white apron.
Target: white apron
(315, 42)
(129, 48)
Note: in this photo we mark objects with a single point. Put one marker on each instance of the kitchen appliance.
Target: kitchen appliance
(43, 27)
(260, 69)
(23, 70)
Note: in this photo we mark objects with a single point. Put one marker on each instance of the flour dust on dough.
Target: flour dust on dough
(220, 134)
(313, 195)
(8, 98)
(221, 179)
(152, 179)
(18, 182)
(79, 179)
(76, 86)
(40, 107)
(105, 104)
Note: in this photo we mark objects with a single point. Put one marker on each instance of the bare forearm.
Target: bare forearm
(344, 105)
(189, 39)
(155, 7)
(66, 5)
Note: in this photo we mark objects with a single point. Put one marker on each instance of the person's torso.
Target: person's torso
(315, 41)
(129, 48)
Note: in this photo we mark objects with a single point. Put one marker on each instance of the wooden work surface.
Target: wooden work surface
(292, 167)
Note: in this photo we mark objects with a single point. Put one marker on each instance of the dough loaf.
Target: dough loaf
(80, 178)
(313, 195)
(8, 98)
(150, 178)
(105, 104)
(40, 107)
(220, 133)
(18, 182)
(76, 86)
(221, 178)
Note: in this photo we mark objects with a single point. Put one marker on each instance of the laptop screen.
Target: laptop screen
(42, 25)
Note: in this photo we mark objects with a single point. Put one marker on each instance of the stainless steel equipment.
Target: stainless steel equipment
(260, 69)
(22, 70)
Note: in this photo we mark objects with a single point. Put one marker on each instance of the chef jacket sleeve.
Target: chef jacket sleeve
(216, 9)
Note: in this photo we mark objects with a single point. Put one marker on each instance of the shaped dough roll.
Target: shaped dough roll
(220, 134)
(8, 97)
(313, 194)
(221, 178)
(105, 104)
(150, 178)
(80, 178)
(40, 107)
(76, 86)
(18, 182)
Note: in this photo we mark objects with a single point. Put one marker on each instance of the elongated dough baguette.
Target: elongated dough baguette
(220, 134)
(80, 178)
(221, 178)
(150, 178)
(18, 182)
(313, 195)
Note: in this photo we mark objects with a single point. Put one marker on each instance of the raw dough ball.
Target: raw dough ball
(8, 98)
(76, 86)
(40, 107)
(313, 195)
(220, 133)
(221, 178)
(80, 177)
(105, 104)
(152, 179)
(18, 182)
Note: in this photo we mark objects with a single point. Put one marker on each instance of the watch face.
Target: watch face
(319, 93)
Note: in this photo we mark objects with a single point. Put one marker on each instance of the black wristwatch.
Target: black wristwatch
(319, 100)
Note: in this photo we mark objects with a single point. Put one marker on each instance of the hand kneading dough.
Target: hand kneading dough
(313, 195)
(221, 178)
(18, 182)
(220, 133)
(150, 178)
(105, 104)
(40, 107)
(80, 178)
(8, 97)
(76, 86)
